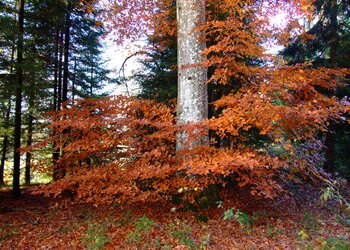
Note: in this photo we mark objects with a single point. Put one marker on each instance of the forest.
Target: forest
(239, 137)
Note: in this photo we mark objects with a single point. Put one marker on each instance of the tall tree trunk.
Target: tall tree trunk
(7, 118)
(91, 80)
(74, 78)
(3, 160)
(192, 78)
(59, 170)
(334, 44)
(66, 53)
(29, 141)
(334, 38)
(56, 150)
(55, 89)
(60, 67)
(5, 144)
(18, 117)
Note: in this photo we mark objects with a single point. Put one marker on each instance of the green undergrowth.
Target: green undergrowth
(178, 233)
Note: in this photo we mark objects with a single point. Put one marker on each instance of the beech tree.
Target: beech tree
(192, 101)
(121, 149)
(192, 106)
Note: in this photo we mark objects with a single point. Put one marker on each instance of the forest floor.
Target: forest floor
(298, 221)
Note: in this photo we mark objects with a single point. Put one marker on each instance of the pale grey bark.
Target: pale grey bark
(192, 87)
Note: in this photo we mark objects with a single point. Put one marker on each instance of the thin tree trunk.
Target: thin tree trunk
(334, 44)
(18, 116)
(74, 78)
(29, 141)
(55, 154)
(55, 89)
(91, 80)
(192, 104)
(7, 119)
(56, 151)
(5, 144)
(3, 160)
(66, 53)
(60, 66)
(59, 169)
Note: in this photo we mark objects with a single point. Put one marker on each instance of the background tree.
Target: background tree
(82, 65)
(89, 73)
(42, 67)
(158, 75)
(7, 78)
(328, 45)
(18, 107)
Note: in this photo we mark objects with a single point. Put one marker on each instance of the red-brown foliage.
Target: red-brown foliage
(122, 149)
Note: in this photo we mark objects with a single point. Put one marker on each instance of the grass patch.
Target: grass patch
(95, 236)
(142, 227)
(8, 231)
